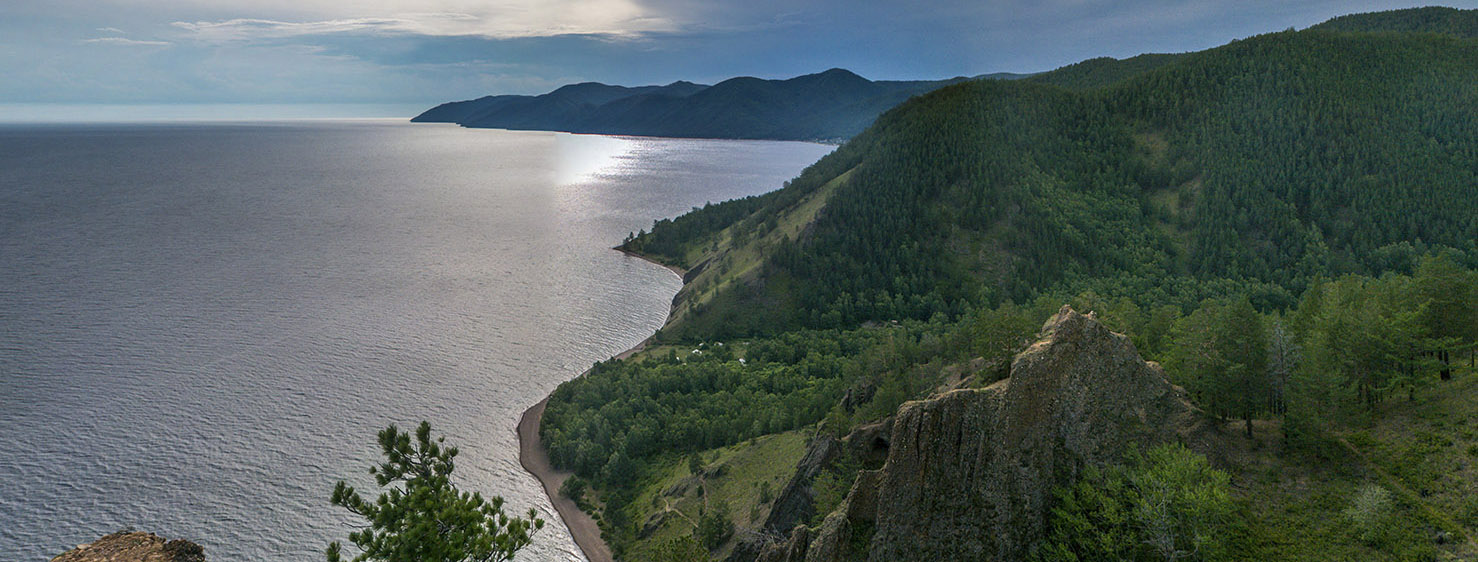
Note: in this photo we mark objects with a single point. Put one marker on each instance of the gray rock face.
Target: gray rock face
(134, 547)
(868, 444)
(792, 549)
(969, 473)
(795, 503)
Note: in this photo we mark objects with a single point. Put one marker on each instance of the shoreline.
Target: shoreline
(681, 274)
(535, 460)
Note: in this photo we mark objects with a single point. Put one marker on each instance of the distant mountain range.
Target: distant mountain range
(835, 104)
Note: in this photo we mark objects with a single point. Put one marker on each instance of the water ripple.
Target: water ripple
(203, 327)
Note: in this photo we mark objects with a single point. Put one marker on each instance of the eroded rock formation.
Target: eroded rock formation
(969, 473)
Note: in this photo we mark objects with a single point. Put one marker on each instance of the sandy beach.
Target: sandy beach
(535, 460)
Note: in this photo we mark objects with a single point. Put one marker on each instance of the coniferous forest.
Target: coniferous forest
(1288, 224)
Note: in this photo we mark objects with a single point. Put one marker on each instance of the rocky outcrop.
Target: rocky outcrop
(794, 505)
(796, 502)
(792, 549)
(868, 444)
(969, 473)
(134, 547)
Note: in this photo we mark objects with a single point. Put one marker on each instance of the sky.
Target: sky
(413, 53)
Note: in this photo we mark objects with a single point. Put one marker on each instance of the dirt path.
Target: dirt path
(667, 507)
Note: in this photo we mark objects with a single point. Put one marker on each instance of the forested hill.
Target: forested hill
(835, 104)
(1451, 21)
(533, 110)
(1253, 168)
(1105, 71)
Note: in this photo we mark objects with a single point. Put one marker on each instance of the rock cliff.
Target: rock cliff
(969, 473)
(134, 547)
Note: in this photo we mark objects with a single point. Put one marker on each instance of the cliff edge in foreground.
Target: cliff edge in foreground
(127, 546)
(970, 473)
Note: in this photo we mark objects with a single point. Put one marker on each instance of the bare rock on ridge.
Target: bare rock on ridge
(970, 473)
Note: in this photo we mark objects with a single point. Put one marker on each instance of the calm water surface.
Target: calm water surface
(203, 326)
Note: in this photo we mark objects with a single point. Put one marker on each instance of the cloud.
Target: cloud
(125, 41)
(508, 19)
(247, 28)
(112, 30)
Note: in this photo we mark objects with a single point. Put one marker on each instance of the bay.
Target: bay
(202, 326)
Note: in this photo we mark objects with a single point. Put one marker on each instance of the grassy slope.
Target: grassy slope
(731, 261)
(1296, 502)
(1430, 447)
(741, 472)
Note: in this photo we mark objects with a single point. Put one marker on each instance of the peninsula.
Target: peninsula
(831, 105)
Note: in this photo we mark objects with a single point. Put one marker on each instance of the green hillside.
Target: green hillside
(1250, 168)
(1286, 223)
(1104, 71)
(1434, 19)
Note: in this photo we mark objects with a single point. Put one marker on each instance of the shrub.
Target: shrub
(1370, 513)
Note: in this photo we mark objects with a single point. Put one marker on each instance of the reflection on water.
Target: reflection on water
(203, 327)
(578, 157)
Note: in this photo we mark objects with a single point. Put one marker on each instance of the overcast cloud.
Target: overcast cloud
(426, 51)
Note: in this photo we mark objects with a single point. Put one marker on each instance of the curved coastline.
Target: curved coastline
(535, 461)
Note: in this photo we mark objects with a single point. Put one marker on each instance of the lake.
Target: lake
(203, 326)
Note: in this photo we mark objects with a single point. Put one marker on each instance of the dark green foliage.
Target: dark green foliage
(604, 424)
(1224, 172)
(667, 242)
(671, 239)
(1104, 71)
(680, 549)
(831, 487)
(608, 425)
(715, 527)
(883, 248)
(1433, 19)
(1368, 332)
(628, 411)
(574, 488)
(1451, 316)
(1093, 520)
(1280, 193)
(423, 517)
(1166, 504)
(1221, 357)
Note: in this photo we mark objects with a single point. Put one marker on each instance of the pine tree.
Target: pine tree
(423, 517)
